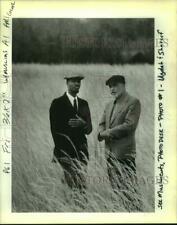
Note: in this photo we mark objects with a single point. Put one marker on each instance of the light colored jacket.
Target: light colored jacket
(121, 125)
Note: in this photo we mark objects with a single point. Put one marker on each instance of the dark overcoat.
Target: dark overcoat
(69, 141)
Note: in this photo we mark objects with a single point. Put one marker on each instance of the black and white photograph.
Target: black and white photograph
(88, 111)
(83, 115)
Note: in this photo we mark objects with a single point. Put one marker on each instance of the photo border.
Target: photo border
(163, 12)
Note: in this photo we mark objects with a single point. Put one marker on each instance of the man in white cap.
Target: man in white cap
(70, 122)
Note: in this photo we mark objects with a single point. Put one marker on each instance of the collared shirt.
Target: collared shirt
(71, 99)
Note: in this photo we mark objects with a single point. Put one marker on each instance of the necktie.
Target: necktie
(75, 104)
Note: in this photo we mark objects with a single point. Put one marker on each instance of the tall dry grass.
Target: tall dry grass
(36, 182)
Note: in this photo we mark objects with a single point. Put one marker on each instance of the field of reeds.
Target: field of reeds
(37, 182)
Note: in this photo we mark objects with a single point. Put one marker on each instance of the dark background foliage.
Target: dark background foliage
(55, 41)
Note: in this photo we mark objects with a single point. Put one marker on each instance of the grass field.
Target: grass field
(36, 182)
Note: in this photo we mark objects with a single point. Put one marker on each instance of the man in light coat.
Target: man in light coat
(117, 128)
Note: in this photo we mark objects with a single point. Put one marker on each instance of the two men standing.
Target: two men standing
(71, 121)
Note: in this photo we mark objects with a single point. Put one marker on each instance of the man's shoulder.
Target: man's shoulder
(83, 101)
(58, 100)
(132, 99)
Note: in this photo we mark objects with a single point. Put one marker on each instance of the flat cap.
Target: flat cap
(116, 79)
(73, 76)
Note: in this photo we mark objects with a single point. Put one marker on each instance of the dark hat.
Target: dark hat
(116, 79)
(74, 76)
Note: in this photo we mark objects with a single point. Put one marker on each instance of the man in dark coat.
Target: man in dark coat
(70, 122)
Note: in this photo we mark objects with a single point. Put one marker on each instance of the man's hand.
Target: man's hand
(106, 135)
(78, 122)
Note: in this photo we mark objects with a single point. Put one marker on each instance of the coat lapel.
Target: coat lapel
(121, 103)
(79, 105)
(109, 112)
(68, 104)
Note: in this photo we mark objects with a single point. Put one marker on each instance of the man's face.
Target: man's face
(116, 89)
(73, 85)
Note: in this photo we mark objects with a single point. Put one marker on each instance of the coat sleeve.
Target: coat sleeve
(53, 119)
(88, 127)
(57, 122)
(130, 123)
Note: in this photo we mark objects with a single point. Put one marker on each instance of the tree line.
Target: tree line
(55, 41)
